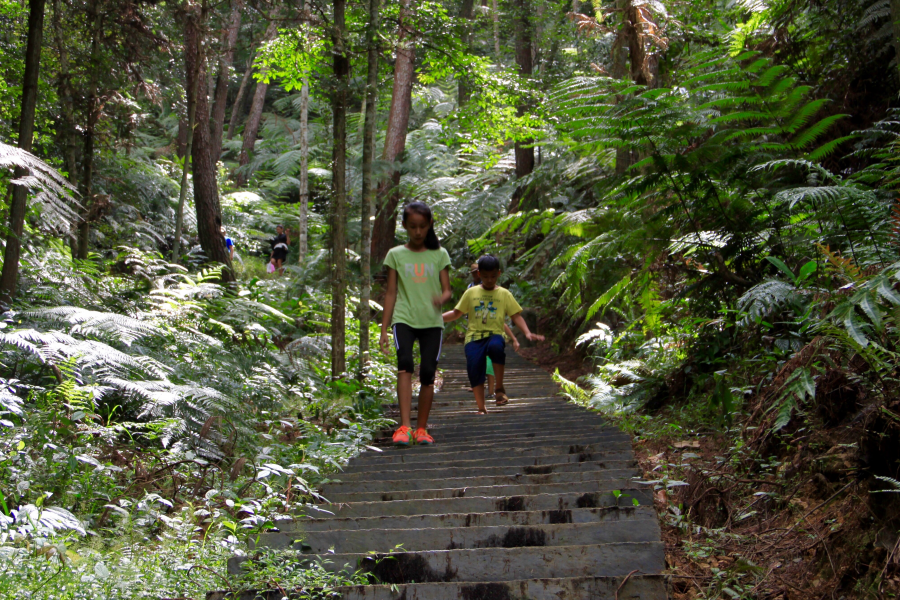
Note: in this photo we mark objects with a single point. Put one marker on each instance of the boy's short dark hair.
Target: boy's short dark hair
(488, 263)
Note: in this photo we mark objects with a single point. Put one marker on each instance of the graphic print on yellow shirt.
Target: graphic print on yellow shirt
(418, 282)
(487, 310)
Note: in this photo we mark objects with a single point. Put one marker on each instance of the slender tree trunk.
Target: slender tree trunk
(466, 12)
(385, 226)
(68, 132)
(495, 16)
(895, 20)
(339, 200)
(524, 150)
(238, 106)
(220, 96)
(303, 241)
(93, 116)
(368, 183)
(206, 193)
(251, 128)
(10, 273)
(191, 97)
(620, 71)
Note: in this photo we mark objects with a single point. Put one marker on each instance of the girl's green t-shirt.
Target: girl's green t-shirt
(418, 281)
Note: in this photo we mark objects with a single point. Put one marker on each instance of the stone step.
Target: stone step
(507, 564)
(483, 504)
(487, 471)
(417, 482)
(450, 538)
(542, 455)
(636, 587)
(499, 439)
(496, 422)
(489, 519)
(601, 485)
(535, 462)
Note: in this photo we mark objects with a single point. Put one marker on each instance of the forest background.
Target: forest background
(701, 194)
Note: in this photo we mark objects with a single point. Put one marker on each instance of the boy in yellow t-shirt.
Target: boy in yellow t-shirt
(487, 306)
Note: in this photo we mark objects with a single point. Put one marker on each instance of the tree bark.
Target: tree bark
(191, 97)
(251, 128)
(206, 192)
(238, 106)
(495, 16)
(10, 273)
(220, 96)
(385, 226)
(93, 117)
(341, 68)
(895, 21)
(466, 12)
(524, 150)
(368, 183)
(303, 236)
(67, 131)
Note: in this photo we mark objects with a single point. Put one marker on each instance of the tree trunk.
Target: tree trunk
(895, 20)
(67, 131)
(251, 128)
(495, 16)
(385, 226)
(467, 13)
(206, 193)
(10, 274)
(303, 237)
(368, 183)
(524, 150)
(220, 96)
(191, 97)
(620, 71)
(238, 106)
(339, 201)
(93, 116)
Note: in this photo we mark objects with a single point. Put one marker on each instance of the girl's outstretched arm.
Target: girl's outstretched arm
(390, 300)
(521, 324)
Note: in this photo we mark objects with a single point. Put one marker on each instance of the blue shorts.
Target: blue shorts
(477, 353)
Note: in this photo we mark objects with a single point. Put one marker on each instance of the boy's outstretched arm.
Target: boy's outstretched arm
(521, 324)
(452, 315)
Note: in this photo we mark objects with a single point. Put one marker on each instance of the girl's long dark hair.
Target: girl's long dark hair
(431, 239)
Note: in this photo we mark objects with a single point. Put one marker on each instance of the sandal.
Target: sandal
(500, 397)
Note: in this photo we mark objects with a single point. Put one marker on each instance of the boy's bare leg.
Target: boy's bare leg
(426, 395)
(498, 374)
(479, 397)
(404, 397)
(490, 385)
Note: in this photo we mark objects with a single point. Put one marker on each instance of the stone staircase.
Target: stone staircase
(533, 501)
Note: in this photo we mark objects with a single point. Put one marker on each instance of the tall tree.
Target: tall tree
(303, 234)
(524, 150)
(385, 226)
(220, 96)
(11, 253)
(339, 191)
(251, 128)
(368, 182)
(191, 97)
(206, 192)
(238, 106)
(467, 14)
(93, 117)
(68, 132)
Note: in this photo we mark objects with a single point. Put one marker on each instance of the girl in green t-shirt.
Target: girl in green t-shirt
(418, 284)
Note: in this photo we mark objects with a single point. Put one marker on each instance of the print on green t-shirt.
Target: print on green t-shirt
(418, 282)
(487, 310)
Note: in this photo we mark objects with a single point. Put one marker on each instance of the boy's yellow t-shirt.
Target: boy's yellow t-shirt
(487, 310)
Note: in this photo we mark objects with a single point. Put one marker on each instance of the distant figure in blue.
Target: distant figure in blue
(229, 244)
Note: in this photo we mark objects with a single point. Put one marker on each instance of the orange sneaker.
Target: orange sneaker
(421, 437)
(403, 436)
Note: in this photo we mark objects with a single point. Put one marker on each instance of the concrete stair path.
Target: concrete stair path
(536, 500)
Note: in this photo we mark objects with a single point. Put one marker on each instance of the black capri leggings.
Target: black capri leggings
(430, 342)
